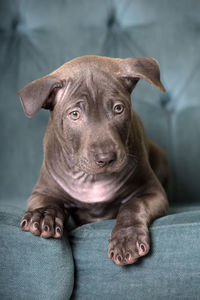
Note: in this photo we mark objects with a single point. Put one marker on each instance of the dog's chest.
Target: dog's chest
(91, 192)
(86, 188)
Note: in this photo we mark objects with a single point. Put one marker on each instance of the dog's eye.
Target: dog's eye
(74, 115)
(118, 108)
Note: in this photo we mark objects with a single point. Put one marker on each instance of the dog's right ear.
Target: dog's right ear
(39, 94)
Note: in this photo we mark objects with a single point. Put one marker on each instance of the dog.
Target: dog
(98, 163)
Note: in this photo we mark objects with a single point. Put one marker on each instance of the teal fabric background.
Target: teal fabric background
(36, 37)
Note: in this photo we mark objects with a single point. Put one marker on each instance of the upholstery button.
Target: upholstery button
(111, 20)
(112, 23)
(165, 100)
(15, 24)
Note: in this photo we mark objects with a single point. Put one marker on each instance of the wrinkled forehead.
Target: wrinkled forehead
(95, 85)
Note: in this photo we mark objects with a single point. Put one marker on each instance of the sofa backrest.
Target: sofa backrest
(37, 36)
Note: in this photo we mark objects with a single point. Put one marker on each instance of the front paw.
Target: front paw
(46, 222)
(126, 245)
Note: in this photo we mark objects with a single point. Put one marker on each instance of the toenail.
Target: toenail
(46, 228)
(23, 223)
(36, 225)
(58, 230)
(111, 254)
(127, 256)
(119, 258)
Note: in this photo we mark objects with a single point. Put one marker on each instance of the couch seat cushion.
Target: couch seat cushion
(170, 271)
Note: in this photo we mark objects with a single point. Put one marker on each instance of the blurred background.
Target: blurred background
(38, 36)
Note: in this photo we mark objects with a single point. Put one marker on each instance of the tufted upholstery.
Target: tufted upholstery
(37, 36)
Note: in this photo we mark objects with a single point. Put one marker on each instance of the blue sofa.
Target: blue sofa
(36, 37)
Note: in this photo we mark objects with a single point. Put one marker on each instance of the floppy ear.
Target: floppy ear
(39, 94)
(134, 69)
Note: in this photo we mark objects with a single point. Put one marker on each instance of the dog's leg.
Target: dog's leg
(130, 236)
(45, 216)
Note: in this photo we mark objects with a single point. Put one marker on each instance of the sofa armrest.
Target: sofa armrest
(31, 267)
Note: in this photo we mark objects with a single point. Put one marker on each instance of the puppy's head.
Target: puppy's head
(91, 114)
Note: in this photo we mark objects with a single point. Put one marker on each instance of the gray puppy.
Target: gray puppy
(98, 163)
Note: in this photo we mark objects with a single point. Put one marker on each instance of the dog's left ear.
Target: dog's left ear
(134, 69)
(39, 94)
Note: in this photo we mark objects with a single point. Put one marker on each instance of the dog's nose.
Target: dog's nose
(105, 159)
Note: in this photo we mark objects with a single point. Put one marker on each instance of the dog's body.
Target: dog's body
(98, 163)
